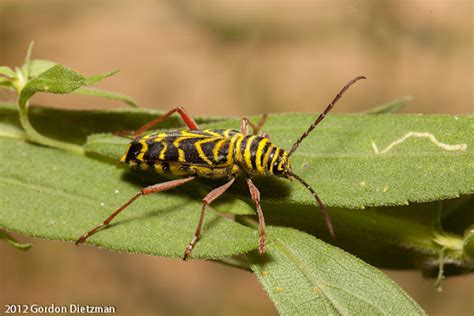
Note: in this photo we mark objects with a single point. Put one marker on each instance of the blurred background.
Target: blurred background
(230, 58)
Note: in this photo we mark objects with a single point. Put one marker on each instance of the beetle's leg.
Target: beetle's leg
(150, 189)
(187, 119)
(244, 126)
(211, 196)
(258, 127)
(255, 194)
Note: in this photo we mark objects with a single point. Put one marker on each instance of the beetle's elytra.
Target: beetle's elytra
(214, 153)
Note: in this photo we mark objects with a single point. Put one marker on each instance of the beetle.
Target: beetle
(214, 154)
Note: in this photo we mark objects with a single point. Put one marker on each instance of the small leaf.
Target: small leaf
(38, 66)
(305, 276)
(469, 242)
(57, 79)
(106, 94)
(7, 71)
(94, 79)
(6, 83)
(12, 241)
(25, 68)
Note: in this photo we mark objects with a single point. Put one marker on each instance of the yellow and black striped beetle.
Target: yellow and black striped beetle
(214, 153)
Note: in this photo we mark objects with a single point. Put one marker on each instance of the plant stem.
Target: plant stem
(34, 136)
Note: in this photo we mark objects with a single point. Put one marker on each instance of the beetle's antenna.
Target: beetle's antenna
(323, 115)
(324, 212)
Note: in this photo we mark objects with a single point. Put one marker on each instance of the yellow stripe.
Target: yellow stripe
(158, 168)
(122, 159)
(238, 154)
(274, 159)
(143, 150)
(230, 153)
(212, 133)
(283, 159)
(186, 133)
(176, 141)
(216, 148)
(267, 154)
(259, 154)
(247, 153)
(163, 151)
(201, 152)
(175, 169)
(181, 157)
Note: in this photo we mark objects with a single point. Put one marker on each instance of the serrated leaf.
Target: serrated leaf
(106, 95)
(52, 194)
(57, 79)
(305, 276)
(356, 161)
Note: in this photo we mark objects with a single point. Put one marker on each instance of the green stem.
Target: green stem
(34, 136)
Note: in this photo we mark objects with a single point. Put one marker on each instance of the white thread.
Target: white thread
(420, 134)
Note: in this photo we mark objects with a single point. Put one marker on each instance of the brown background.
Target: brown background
(230, 58)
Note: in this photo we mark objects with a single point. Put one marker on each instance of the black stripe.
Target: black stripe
(171, 153)
(188, 145)
(264, 151)
(253, 152)
(243, 144)
(134, 150)
(270, 158)
(153, 152)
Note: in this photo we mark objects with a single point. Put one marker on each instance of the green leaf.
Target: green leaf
(406, 235)
(305, 276)
(106, 95)
(25, 68)
(356, 161)
(94, 79)
(12, 241)
(57, 79)
(53, 194)
(38, 66)
(469, 242)
(394, 106)
(6, 83)
(75, 125)
(7, 71)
